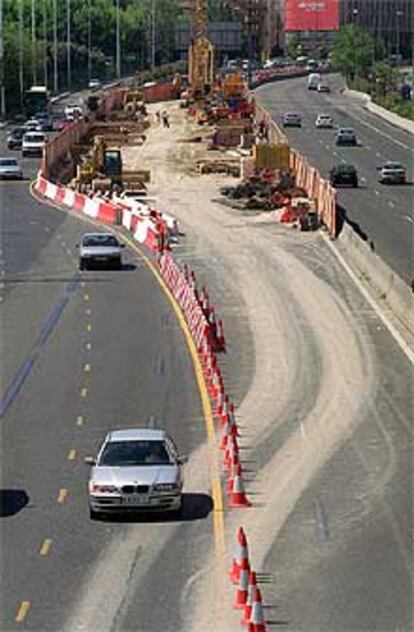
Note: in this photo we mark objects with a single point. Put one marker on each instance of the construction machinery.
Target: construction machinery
(201, 52)
(100, 167)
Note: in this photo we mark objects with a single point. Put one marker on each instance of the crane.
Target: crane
(201, 51)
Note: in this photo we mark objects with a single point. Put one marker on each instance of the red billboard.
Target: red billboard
(311, 15)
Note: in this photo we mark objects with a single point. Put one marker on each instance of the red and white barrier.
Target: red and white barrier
(148, 231)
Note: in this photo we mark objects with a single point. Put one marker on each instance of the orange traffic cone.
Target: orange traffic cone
(256, 617)
(241, 593)
(238, 497)
(241, 559)
(250, 597)
(225, 433)
(235, 471)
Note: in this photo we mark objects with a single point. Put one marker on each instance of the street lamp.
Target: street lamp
(68, 56)
(2, 87)
(21, 58)
(118, 43)
(55, 48)
(89, 41)
(398, 15)
(153, 35)
(355, 16)
(34, 42)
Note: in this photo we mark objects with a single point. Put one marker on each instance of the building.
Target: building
(388, 20)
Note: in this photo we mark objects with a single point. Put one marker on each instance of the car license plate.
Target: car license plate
(135, 499)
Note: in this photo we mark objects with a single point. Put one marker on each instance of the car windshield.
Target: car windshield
(392, 165)
(18, 132)
(34, 138)
(8, 162)
(100, 240)
(137, 452)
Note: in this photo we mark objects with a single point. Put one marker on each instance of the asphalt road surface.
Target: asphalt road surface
(81, 354)
(383, 212)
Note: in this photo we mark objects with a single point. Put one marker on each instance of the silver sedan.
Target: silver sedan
(137, 469)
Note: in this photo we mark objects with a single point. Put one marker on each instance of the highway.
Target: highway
(382, 212)
(81, 354)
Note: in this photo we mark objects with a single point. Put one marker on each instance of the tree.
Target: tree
(353, 51)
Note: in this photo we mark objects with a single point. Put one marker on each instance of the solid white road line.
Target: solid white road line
(405, 348)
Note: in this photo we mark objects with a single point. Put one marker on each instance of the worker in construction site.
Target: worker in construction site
(165, 119)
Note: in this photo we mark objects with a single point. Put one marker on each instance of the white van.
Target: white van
(313, 80)
(33, 143)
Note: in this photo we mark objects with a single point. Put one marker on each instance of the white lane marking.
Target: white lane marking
(393, 331)
(368, 147)
(376, 129)
(378, 154)
(376, 192)
(391, 204)
(68, 250)
(334, 153)
(327, 147)
(408, 218)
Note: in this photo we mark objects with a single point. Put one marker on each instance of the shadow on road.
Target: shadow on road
(195, 507)
(12, 501)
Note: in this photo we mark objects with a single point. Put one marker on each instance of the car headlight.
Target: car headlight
(166, 487)
(104, 489)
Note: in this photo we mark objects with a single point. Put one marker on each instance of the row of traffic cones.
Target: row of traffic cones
(224, 410)
(248, 596)
(215, 325)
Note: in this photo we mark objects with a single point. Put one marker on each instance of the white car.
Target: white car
(33, 125)
(100, 249)
(33, 143)
(292, 119)
(137, 469)
(324, 121)
(94, 84)
(10, 169)
(323, 87)
(73, 110)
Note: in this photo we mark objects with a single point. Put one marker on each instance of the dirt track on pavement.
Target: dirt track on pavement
(300, 366)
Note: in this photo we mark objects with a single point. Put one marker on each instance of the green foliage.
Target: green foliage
(353, 51)
(293, 47)
(135, 22)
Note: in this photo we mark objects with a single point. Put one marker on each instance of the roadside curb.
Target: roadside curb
(386, 115)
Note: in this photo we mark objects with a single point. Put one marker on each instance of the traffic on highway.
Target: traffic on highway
(207, 349)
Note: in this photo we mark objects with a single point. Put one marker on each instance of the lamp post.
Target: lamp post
(2, 87)
(398, 15)
(68, 55)
(153, 35)
(355, 19)
(21, 57)
(89, 42)
(34, 57)
(45, 42)
(118, 42)
(55, 48)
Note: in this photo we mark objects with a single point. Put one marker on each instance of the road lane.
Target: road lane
(116, 357)
(383, 213)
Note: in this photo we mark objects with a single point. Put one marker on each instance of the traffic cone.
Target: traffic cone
(234, 471)
(232, 449)
(238, 497)
(220, 401)
(224, 436)
(250, 597)
(241, 558)
(221, 342)
(241, 593)
(225, 410)
(256, 617)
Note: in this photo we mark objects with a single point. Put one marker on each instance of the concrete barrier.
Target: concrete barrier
(392, 290)
(394, 119)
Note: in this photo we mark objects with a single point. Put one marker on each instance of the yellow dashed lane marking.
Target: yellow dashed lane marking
(88, 311)
(88, 327)
(84, 392)
(45, 548)
(63, 495)
(79, 420)
(72, 455)
(87, 368)
(202, 387)
(88, 346)
(22, 612)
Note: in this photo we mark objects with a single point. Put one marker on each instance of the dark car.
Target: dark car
(343, 175)
(15, 138)
(292, 119)
(45, 121)
(346, 136)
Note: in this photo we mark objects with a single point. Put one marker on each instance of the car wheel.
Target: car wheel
(94, 515)
(82, 265)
